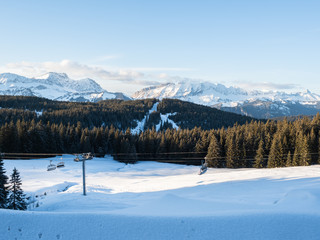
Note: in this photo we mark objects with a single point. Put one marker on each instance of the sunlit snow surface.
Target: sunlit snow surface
(151, 200)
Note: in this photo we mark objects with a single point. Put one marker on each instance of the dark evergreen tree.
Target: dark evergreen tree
(289, 160)
(3, 185)
(275, 158)
(313, 145)
(296, 158)
(232, 157)
(163, 145)
(305, 158)
(213, 157)
(319, 148)
(299, 151)
(16, 198)
(259, 158)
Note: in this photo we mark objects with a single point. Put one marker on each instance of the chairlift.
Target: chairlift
(83, 157)
(87, 156)
(60, 164)
(76, 159)
(204, 166)
(51, 166)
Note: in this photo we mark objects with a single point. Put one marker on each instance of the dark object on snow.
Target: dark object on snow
(51, 166)
(204, 167)
(60, 164)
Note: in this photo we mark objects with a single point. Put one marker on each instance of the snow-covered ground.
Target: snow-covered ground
(163, 119)
(140, 124)
(151, 200)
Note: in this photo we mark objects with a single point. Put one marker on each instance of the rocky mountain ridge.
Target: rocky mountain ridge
(55, 86)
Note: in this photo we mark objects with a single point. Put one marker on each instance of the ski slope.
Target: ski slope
(151, 200)
(163, 119)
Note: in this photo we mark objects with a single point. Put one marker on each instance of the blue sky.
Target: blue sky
(127, 45)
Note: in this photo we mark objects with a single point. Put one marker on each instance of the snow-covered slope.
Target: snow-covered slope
(55, 86)
(151, 200)
(164, 118)
(227, 98)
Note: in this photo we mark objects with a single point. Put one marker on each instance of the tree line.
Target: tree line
(121, 114)
(253, 144)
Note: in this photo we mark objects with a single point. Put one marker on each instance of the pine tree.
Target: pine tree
(132, 153)
(276, 153)
(214, 153)
(232, 158)
(305, 158)
(258, 163)
(16, 198)
(313, 145)
(85, 142)
(301, 155)
(295, 158)
(319, 148)
(289, 160)
(163, 145)
(3, 186)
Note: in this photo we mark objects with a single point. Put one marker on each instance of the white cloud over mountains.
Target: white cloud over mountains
(74, 69)
(116, 80)
(265, 85)
(120, 80)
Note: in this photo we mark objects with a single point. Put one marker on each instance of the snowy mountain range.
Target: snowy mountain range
(258, 104)
(55, 86)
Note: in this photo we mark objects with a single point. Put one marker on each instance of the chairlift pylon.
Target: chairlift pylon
(82, 158)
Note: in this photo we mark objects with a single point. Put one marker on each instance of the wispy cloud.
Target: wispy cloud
(128, 79)
(265, 85)
(123, 80)
(98, 72)
(161, 69)
(74, 69)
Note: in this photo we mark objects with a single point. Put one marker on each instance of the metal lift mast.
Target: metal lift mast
(82, 158)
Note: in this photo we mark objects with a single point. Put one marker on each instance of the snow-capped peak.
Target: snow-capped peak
(11, 77)
(56, 86)
(53, 75)
(211, 94)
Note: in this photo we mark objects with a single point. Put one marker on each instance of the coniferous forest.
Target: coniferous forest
(104, 128)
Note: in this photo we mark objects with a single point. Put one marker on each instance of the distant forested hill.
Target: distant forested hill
(190, 115)
(121, 114)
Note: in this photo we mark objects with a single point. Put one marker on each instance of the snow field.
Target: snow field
(151, 200)
(48, 225)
